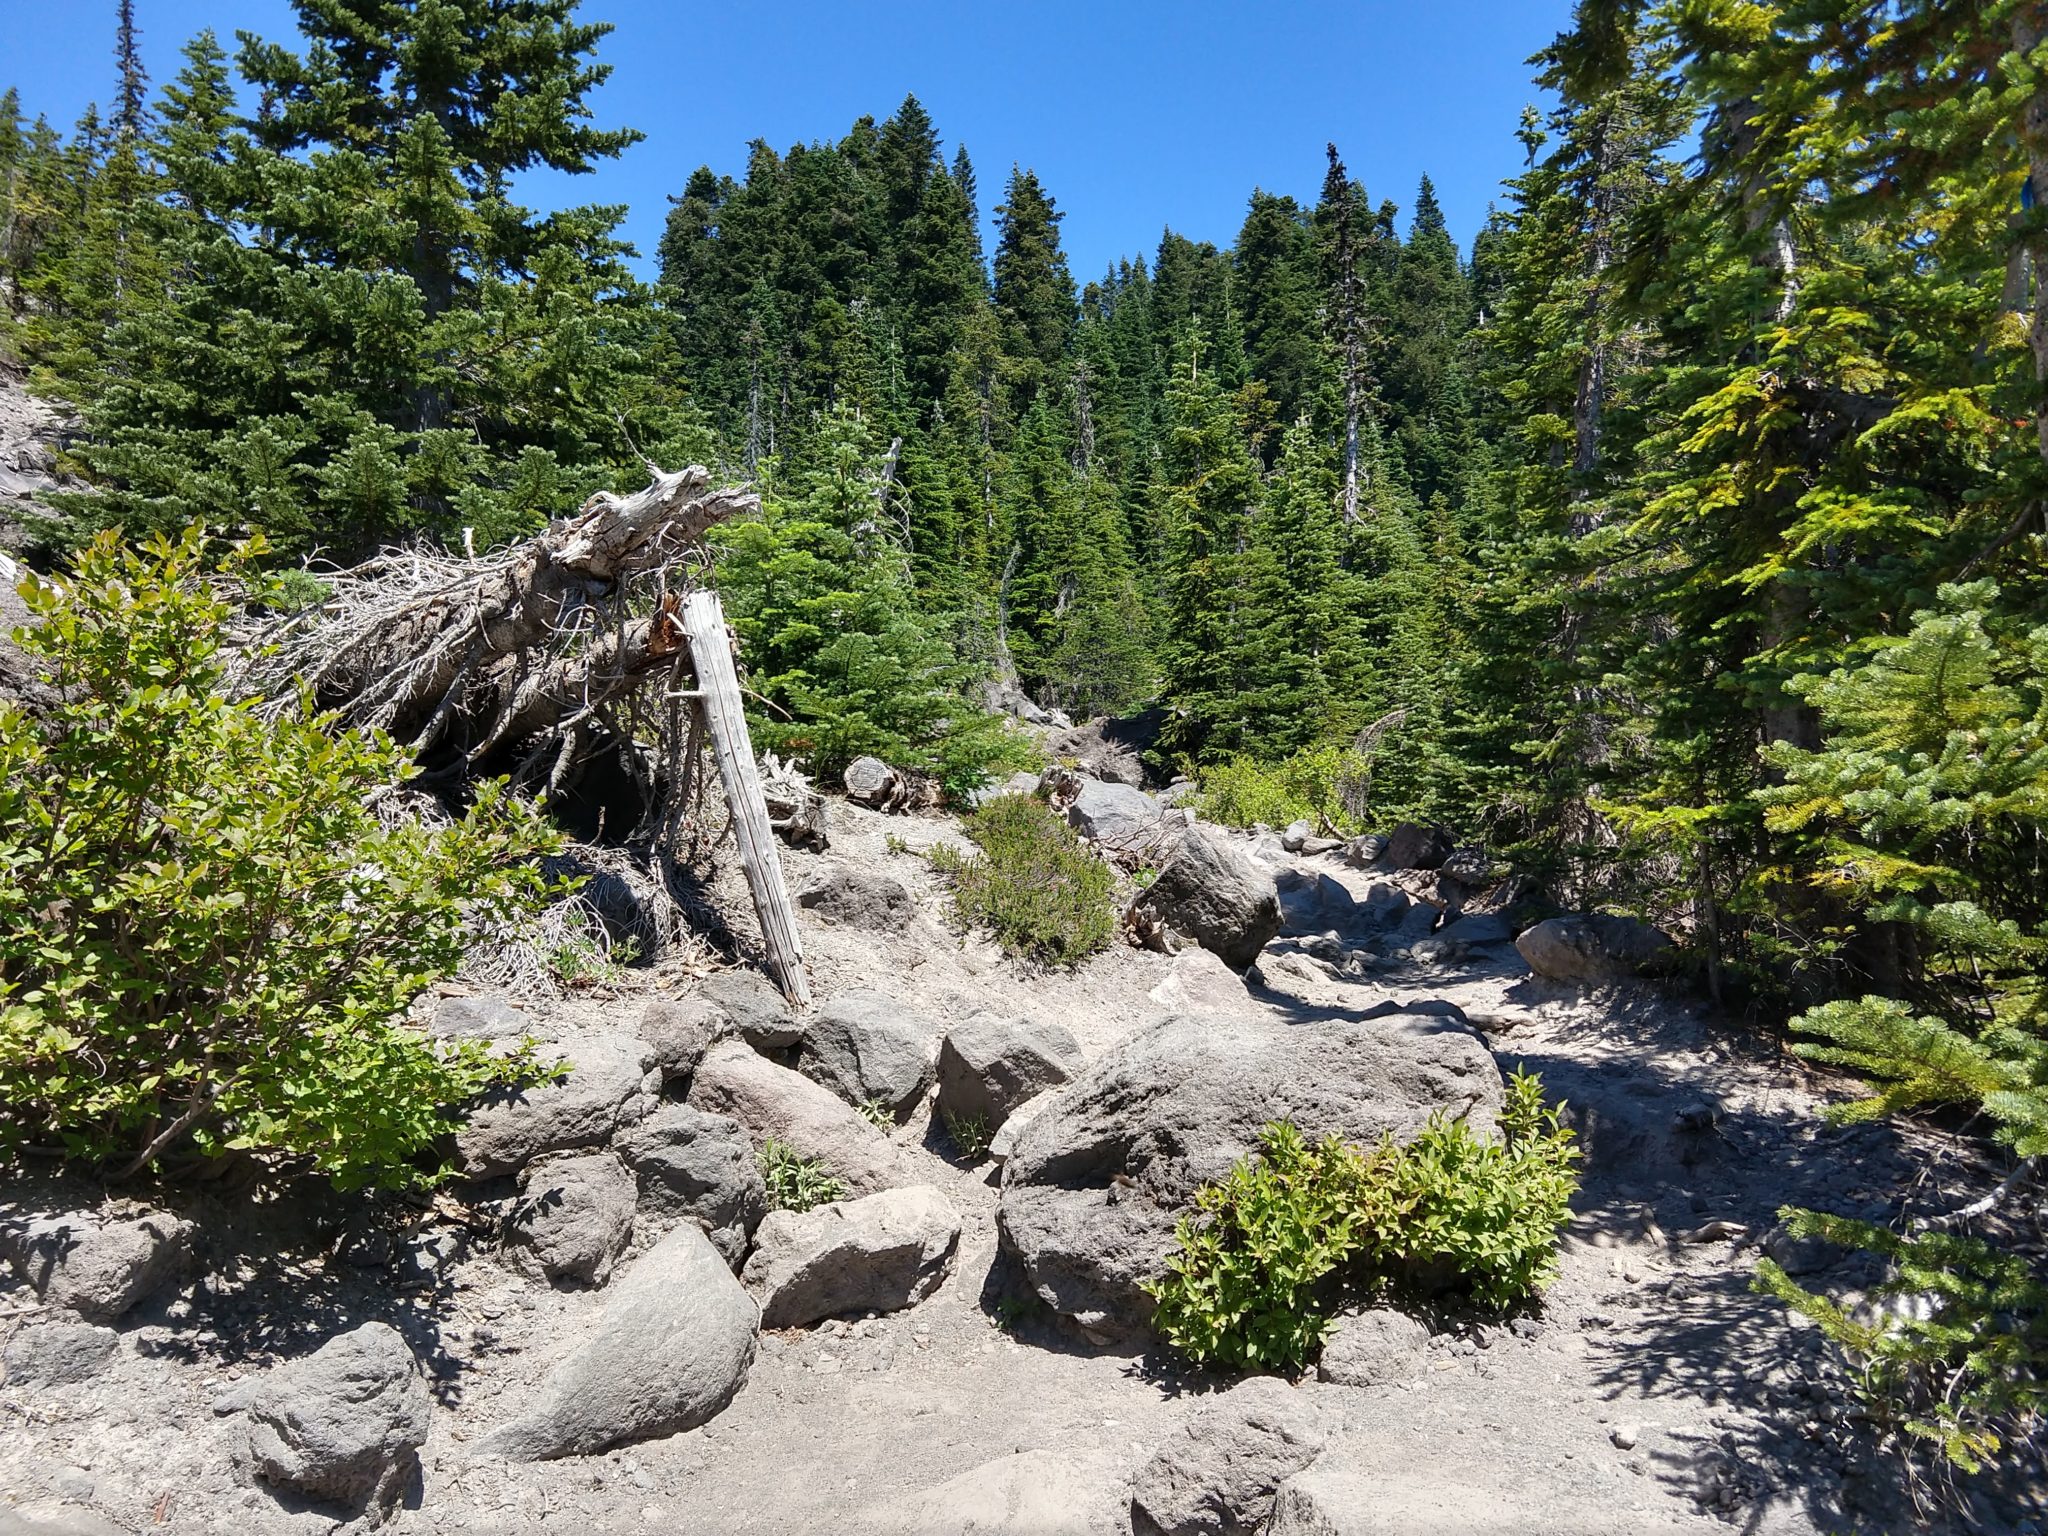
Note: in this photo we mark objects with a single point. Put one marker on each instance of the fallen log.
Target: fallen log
(464, 656)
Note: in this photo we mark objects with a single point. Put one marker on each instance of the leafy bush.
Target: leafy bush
(1286, 1239)
(796, 1182)
(1034, 884)
(1309, 786)
(206, 934)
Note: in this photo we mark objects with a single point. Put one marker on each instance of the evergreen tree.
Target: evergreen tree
(1034, 292)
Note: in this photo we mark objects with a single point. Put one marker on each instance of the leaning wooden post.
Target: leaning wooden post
(724, 716)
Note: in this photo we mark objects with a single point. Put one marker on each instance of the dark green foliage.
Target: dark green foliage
(207, 936)
(834, 647)
(1034, 885)
(1277, 1248)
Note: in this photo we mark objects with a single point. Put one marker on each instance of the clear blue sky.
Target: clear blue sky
(1135, 115)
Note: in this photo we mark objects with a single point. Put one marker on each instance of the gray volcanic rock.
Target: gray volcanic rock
(1095, 1182)
(613, 1081)
(988, 1066)
(1214, 895)
(1373, 1349)
(859, 898)
(701, 1168)
(867, 1047)
(755, 1006)
(343, 1424)
(574, 1218)
(58, 1354)
(96, 1269)
(1590, 947)
(673, 1347)
(773, 1101)
(878, 1254)
(1217, 1475)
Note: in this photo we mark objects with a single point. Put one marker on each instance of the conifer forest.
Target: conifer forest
(1679, 542)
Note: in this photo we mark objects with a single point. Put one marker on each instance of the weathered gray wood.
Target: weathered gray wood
(726, 720)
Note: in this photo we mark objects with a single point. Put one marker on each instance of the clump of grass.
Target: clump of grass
(971, 1136)
(1034, 885)
(796, 1182)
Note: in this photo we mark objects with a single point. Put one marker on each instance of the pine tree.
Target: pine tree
(1034, 292)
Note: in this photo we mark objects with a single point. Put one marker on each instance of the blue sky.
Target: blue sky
(1135, 115)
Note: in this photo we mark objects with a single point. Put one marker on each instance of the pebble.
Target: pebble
(1624, 1436)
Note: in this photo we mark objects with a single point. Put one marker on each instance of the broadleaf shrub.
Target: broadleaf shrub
(1309, 786)
(1288, 1237)
(1034, 884)
(207, 935)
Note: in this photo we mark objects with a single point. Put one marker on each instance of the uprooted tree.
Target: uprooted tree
(570, 664)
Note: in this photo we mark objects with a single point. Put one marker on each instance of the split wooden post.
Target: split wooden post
(725, 718)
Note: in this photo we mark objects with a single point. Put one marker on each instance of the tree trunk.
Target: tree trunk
(725, 718)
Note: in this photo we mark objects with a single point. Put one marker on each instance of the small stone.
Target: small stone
(1624, 1436)
(58, 1354)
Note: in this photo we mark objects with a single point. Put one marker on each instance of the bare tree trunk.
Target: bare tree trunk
(726, 719)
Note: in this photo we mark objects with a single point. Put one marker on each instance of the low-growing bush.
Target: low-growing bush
(796, 1182)
(1309, 786)
(1034, 885)
(207, 934)
(1287, 1238)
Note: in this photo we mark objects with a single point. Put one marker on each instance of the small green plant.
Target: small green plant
(1034, 884)
(1286, 1238)
(971, 1135)
(895, 844)
(579, 962)
(1013, 1312)
(875, 1112)
(207, 935)
(796, 1182)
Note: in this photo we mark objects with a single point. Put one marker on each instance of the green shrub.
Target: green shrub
(207, 935)
(1288, 1238)
(971, 1136)
(796, 1182)
(1034, 884)
(1308, 786)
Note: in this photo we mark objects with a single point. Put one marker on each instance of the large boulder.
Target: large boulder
(1033, 1493)
(755, 1006)
(773, 1101)
(1210, 893)
(678, 1033)
(698, 1167)
(868, 1048)
(57, 1354)
(1095, 1181)
(1354, 1489)
(344, 1424)
(1373, 1349)
(673, 1347)
(1217, 1474)
(1315, 903)
(98, 1269)
(1591, 947)
(613, 1080)
(1119, 818)
(859, 898)
(1410, 846)
(878, 1254)
(989, 1065)
(573, 1219)
(1201, 983)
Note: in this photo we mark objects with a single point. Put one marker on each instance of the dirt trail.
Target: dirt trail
(1651, 1391)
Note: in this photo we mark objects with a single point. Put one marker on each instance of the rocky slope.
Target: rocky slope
(952, 1349)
